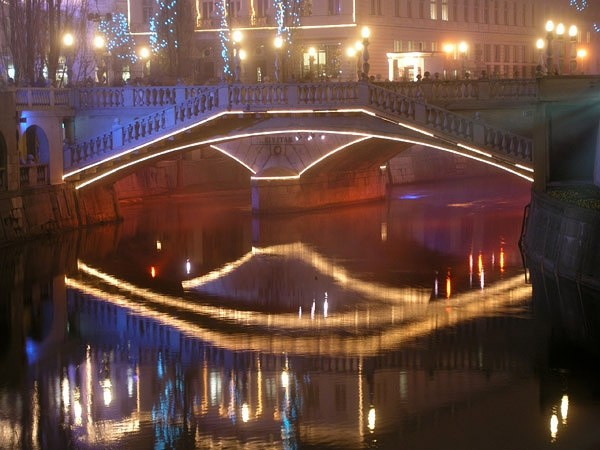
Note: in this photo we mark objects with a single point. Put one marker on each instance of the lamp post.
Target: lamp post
(581, 54)
(237, 39)
(572, 49)
(449, 50)
(462, 49)
(351, 52)
(549, 38)
(99, 46)
(68, 41)
(144, 56)
(311, 61)
(540, 69)
(560, 32)
(365, 33)
(278, 43)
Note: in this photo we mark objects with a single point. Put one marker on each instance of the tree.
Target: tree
(171, 30)
(33, 35)
(119, 42)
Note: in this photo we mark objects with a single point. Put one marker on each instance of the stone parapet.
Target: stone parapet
(563, 239)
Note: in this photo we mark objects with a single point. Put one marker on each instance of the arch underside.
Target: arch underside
(272, 145)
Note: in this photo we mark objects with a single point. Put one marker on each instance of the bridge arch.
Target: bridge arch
(235, 134)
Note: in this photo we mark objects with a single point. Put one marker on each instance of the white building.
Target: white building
(452, 38)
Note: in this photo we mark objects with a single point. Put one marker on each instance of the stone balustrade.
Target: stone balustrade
(33, 175)
(185, 105)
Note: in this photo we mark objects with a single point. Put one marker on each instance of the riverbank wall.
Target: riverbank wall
(563, 240)
(47, 209)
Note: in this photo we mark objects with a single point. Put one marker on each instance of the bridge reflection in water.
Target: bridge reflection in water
(440, 361)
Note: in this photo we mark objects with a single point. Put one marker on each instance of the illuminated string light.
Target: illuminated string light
(581, 5)
(163, 26)
(117, 37)
(224, 38)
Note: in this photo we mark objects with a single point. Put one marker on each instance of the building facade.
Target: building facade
(323, 39)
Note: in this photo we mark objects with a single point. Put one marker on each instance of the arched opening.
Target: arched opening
(34, 155)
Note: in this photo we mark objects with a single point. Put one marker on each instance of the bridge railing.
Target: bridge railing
(143, 130)
(440, 120)
(448, 90)
(134, 96)
(42, 98)
(193, 104)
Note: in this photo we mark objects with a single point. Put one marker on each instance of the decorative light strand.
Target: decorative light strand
(118, 40)
(163, 25)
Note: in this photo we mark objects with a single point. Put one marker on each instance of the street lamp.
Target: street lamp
(99, 46)
(462, 49)
(237, 39)
(365, 33)
(311, 60)
(352, 53)
(278, 43)
(572, 49)
(581, 54)
(144, 56)
(449, 50)
(68, 41)
(549, 38)
(539, 44)
(560, 32)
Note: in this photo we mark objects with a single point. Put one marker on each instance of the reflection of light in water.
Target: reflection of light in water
(65, 394)
(245, 412)
(188, 267)
(448, 285)
(285, 378)
(158, 245)
(467, 305)
(501, 260)
(553, 426)
(312, 310)
(325, 306)
(300, 312)
(106, 391)
(371, 419)
(153, 272)
(324, 265)
(384, 231)
(129, 382)
(564, 408)
(471, 269)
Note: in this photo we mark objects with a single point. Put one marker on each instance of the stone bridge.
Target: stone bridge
(288, 136)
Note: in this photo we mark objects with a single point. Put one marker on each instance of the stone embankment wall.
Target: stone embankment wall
(563, 240)
(42, 210)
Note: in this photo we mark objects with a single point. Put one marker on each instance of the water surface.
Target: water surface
(194, 324)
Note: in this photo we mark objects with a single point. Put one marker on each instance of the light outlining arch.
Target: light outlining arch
(457, 148)
(394, 331)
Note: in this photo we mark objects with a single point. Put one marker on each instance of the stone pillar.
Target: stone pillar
(296, 194)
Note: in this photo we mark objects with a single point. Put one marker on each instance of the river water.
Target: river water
(194, 324)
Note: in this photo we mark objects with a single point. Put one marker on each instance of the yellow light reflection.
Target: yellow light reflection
(395, 331)
(553, 426)
(245, 413)
(564, 408)
(107, 391)
(371, 419)
(285, 378)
